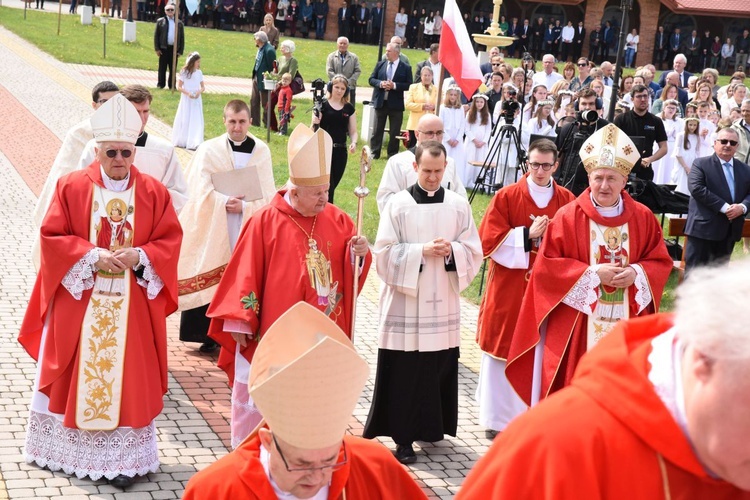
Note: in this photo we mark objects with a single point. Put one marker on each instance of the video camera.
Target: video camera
(510, 107)
(318, 90)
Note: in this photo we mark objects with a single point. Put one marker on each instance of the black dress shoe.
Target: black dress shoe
(121, 482)
(405, 454)
(208, 347)
(490, 434)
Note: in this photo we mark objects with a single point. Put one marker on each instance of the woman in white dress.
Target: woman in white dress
(688, 149)
(401, 20)
(542, 123)
(454, 124)
(673, 125)
(478, 130)
(187, 131)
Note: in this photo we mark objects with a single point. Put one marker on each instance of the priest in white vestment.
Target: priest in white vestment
(67, 157)
(399, 171)
(212, 219)
(427, 251)
(156, 155)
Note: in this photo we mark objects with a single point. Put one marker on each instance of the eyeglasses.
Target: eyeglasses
(640, 96)
(432, 133)
(724, 142)
(333, 467)
(496, 64)
(543, 166)
(112, 153)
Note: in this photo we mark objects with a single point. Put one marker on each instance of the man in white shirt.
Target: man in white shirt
(568, 33)
(547, 77)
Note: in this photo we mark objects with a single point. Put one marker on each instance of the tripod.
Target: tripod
(502, 142)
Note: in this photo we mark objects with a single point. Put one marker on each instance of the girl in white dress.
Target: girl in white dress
(538, 94)
(673, 125)
(454, 124)
(478, 130)
(542, 123)
(688, 149)
(187, 131)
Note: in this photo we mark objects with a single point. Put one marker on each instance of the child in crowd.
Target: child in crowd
(707, 127)
(688, 149)
(285, 103)
(454, 123)
(673, 126)
(187, 131)
(542, 123)
(478, 130)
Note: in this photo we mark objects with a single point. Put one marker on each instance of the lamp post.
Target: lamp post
(104, 20)
(625, 6)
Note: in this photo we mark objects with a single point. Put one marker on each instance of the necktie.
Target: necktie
(730, 177)
(389, 73)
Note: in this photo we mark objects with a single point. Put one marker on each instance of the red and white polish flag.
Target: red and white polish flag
(456, 52)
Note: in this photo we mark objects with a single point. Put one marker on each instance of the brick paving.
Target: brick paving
(42, 98)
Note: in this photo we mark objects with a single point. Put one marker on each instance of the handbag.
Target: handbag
(298, 84)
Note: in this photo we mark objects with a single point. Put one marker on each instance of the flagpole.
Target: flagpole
(440, 88)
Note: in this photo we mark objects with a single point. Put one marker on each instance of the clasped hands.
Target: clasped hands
(387, 85)
(735, 210)
(615, 275)
(117, 261)
(437, 248)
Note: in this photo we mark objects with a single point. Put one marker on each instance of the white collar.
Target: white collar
(537, 188)
(112, 184)
(429, 193)
(612, 211)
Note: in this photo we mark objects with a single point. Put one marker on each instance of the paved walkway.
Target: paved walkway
(41, 99)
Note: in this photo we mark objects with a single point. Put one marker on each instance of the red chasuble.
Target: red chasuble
(563, 258)
(608, 436)
(511, 207)
(64, 241)
(267, 274)
(370, 473)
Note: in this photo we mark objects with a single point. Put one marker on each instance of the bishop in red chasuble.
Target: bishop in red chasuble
(96, 320)
(297, 248)
(576, 294)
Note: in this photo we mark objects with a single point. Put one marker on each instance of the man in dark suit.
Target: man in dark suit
(557, 29)
(706, 43)
(678, 65)
(390, 79)
(595, 41)
(512, 32)
(164, 39)
(523, 33)
(342, 17)
(661, 47)
(719, 199)
(608, 40)
(675, 43)
(376, 14)
(674, 79)
(578, 38)
(692, 49)
(361, 18)
(537, 38)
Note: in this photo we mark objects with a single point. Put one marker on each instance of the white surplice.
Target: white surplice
(420, 309)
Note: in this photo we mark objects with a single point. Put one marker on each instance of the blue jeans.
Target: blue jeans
(629, 57)
(320, 27)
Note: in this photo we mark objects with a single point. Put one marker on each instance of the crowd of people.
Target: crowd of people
(267, 274)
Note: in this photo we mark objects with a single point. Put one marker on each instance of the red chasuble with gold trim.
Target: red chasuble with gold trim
(564, 257)
(272, 268)
(65, 239)
(607, 436)
(511, 207)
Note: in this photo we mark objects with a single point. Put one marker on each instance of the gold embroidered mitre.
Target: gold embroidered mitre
(116, 120)
(306, 378)
(309, 154)
(609, 147)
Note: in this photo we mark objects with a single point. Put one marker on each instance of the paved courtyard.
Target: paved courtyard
(41, 99)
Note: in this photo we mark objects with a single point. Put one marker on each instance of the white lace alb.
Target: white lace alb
(150, 281)
(80, 277)
(642, 290)
(124, 451)
(584, 294)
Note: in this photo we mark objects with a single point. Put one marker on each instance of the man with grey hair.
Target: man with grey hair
(264, 60)
(673, 78)
(547, 76)
(607, 73)
(719, 200)
(390, 79)
(742, 126)
(343, 62)
(167, 29)
(680, 61)
(668, 392)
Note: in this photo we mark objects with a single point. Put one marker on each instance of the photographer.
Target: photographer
(508, 113)
(336, 116)
(571, 173)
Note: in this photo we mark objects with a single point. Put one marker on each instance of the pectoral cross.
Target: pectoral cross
(434, 302)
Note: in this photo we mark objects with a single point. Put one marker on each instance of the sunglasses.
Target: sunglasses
(724, 142)
(581, 65)
(168, 10)
(112, 153)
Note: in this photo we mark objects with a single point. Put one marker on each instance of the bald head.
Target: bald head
(429, 127)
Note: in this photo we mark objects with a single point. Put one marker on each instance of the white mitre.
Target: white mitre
(309, 154)
(306, 378)
(116, 120)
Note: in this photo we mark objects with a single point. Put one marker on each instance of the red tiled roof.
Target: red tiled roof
(736, 8)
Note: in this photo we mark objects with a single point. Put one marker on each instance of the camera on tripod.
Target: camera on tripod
(510, 107)
(318, 90)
